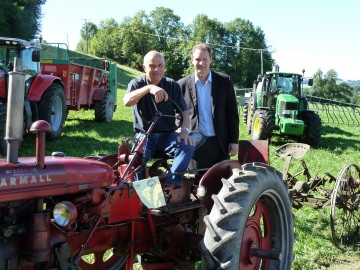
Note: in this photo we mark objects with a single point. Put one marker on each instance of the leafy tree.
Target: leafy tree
(20, 18)
(205, 30)
(170, 33)
(106, 42)
(87, 32)
(326, 86)
(251, 53)
(137, 38)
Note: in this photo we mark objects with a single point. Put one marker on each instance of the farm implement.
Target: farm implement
(341, 193)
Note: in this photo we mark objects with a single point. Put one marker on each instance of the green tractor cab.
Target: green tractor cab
(276, 104)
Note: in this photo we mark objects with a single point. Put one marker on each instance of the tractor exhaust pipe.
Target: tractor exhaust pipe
(276, 68)
(15, 114)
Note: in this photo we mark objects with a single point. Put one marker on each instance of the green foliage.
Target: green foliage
(233, 43)
(20, 18)
(326, 86)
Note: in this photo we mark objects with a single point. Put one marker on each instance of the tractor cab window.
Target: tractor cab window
(7, 55)
(30, 67)
(284, 85)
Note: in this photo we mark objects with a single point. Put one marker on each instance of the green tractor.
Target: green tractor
(276, 104)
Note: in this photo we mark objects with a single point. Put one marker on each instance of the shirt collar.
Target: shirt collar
(209, 78)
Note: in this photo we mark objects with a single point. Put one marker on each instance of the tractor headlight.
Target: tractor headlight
(65, 213)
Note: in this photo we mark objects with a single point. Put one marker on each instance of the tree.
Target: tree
(106, 43)
(20, 18)
(87, 32)
(326, 86)
(137, 39)
(251, 52)
(170, 33)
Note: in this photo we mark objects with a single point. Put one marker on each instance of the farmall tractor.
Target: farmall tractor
(55, 85)
(59, 212)
(277, 104)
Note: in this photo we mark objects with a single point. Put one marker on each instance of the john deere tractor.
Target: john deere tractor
(276, 104)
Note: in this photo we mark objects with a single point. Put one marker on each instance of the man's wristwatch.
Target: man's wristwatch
(185, 129)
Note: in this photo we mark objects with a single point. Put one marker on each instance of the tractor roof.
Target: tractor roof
(16, 42)
(282, 73)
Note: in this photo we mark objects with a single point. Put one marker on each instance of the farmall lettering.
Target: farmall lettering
(19, 177)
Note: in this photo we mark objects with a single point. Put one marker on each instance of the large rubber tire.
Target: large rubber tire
(261, 126)
(249, 115)
(104, 109)
(252, 210)
(245, 112)
(52, 108)
(313, 128)
(3, 144)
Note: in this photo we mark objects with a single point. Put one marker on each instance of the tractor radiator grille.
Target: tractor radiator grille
(288, 106)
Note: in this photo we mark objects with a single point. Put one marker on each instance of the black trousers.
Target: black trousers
(207, 155)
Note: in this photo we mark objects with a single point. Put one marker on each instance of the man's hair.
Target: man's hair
(202, 46)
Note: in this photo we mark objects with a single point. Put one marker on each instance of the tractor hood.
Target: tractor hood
(287, 98)
(61, 175)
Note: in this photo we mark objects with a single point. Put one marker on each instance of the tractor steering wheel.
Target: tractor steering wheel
(176, 116)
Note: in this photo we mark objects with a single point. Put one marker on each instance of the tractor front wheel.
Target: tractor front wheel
(313, 128)
(251, 225)
(261, 126)
(52, 108)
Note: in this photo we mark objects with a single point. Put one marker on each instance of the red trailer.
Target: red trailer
(55, 84)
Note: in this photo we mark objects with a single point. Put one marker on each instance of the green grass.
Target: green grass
(82, 136)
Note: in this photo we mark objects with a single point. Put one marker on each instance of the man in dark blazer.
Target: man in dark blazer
(213, 110)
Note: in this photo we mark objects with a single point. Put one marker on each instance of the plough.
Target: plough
(316, 192)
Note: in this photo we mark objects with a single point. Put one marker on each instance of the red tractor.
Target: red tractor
(59, 212)
(56, 84)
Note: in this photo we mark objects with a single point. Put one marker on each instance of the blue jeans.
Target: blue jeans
(167, 143)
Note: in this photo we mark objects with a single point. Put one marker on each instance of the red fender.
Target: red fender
(40, 84)
(211, 180)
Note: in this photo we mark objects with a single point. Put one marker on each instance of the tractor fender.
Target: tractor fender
(99, 94)
(212, 179)
(40, 84)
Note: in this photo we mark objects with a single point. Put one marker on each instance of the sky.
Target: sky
(309, 34)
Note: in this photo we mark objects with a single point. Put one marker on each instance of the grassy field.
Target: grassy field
(313, 247)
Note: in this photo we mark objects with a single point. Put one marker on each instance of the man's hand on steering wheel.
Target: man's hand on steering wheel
(158, 93)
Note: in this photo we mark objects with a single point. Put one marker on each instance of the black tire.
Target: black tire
(313, 128)
(3, 144)
(245, 112)
(104, 109)
(261, 126)
(52, 108)
(253, 209)
(249, 115)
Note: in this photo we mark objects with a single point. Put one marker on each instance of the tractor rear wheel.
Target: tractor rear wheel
(249, 115)
(245, 112)
(104, 109)
(261, 126)
(313, 128)
(52, 108)
(251, 225)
